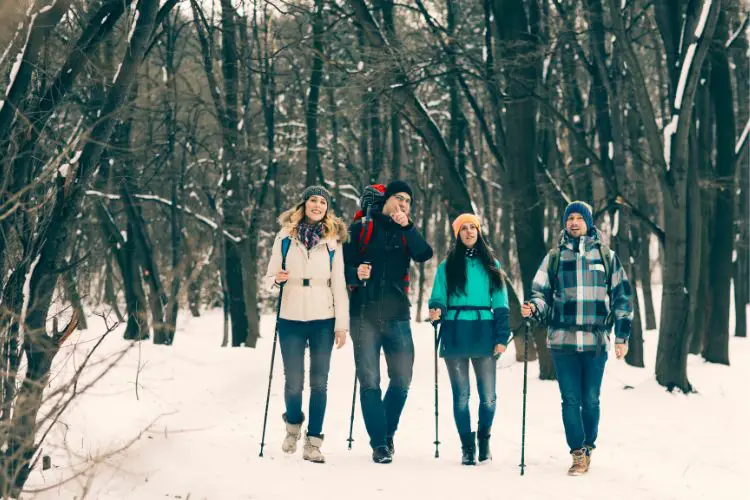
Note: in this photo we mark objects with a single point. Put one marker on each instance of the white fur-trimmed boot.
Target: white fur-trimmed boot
(311, 450)
(293, 434)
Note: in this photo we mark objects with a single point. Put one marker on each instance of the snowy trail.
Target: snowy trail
(209, 401)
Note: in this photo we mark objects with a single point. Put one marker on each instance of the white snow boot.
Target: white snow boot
(293, 434)
(311, 450)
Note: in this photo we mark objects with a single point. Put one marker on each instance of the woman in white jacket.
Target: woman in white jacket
(314, 309)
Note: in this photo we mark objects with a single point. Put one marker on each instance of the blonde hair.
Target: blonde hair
(333, 227)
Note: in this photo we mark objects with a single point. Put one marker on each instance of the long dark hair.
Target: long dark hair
(455, 265)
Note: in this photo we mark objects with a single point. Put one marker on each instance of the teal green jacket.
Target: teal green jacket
(472, 322)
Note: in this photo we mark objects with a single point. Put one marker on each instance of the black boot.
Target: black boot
(483, 440)
(389, 445)
(468, 449)
(381, 455)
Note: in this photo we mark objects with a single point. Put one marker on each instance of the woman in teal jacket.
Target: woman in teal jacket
(470, 299)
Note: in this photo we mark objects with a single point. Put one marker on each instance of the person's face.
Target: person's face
(575, 225)
(469, 234)
(315, 208)
(399, 202)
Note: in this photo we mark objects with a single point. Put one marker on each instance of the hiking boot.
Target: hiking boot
(483, 442)
(381, 455)
(580, 462)
(468, 449)
(311, 450)
(589, 452)
(293, 434)
(389, 445)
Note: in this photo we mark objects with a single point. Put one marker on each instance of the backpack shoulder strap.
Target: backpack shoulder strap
(606, 255)
(285, 243)
(365, 233)
(553, 266)
(331, 253)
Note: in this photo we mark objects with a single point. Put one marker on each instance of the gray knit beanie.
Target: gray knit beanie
(316, 191)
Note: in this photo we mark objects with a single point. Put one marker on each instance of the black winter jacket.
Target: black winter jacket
(390, 249)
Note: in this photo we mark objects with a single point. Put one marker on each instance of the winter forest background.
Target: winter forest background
(147, 148)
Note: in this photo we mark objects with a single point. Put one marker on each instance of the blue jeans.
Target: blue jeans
(579, 375)
(294, 336)
(484, 370)
(381, 415)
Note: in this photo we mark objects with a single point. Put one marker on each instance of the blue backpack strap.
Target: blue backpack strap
(285, 250)
(330, 255)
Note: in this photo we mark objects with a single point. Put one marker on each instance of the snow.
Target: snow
(201, 407)
(616, 224)
(133, 25)
(684, 73)
(27, 295)
(703, 19)
(47, 8)
(743, 138)
(669, 131)
(117, 73)
(19, 58)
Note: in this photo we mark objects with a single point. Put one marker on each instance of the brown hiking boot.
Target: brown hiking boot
(580, 463)
(589, 453)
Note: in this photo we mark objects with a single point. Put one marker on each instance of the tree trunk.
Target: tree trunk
(702, 148)
(716, 349)
(313, 97)
(742, 268)
(521, 47)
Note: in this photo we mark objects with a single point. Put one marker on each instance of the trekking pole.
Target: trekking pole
(270, 373)
(525, 378)
(361, 328)
(437, 340)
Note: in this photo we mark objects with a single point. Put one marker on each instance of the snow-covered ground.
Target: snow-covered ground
(201, 407)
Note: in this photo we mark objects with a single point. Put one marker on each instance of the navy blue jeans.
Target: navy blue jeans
(579, 375)
(381, 414)
(294, 336)
(484, 370)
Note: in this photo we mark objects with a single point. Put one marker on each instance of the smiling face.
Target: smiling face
(576, 226)
(315, 208)
(469, 234)
(399, 202)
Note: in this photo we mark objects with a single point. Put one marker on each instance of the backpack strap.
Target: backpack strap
(331, 253)
(285, 243)
(553, 266)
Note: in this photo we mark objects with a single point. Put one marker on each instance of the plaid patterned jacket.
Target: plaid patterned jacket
(579, 309)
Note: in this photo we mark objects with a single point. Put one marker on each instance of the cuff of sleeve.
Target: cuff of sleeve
(622, 329)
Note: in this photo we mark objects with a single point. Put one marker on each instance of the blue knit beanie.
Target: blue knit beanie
(579, 207)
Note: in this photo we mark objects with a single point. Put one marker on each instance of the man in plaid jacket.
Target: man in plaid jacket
(581, 291)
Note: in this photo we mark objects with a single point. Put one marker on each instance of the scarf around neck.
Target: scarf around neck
(309, 234)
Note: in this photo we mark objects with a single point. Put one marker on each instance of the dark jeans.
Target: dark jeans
(381, 415)
(484, 370)
(294, 336)
(579, 375)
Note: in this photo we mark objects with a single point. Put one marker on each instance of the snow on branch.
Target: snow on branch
(742, 142)
(150, 197)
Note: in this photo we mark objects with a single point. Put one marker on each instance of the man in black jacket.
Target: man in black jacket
(377, 259)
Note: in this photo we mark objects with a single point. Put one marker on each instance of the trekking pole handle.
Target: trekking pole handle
(367, 263)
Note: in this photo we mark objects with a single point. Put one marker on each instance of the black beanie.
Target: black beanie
(398, 187)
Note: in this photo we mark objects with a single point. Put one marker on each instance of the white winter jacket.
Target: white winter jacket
(325, 295)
